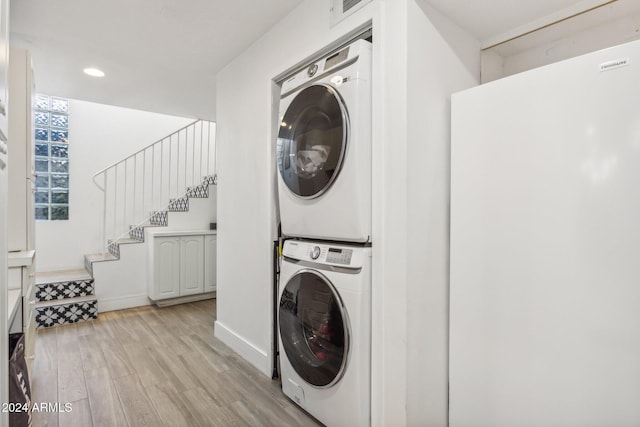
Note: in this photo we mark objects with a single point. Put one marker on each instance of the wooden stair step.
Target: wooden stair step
(99, 257)
(57, 302)
(62, 276)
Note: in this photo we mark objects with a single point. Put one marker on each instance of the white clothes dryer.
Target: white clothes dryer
(324, 148)
(324, 322)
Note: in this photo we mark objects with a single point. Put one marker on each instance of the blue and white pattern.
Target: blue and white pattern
(179, 205)
(63, 314)
(64, 290)
(114, 249)
(159, 218)
(198, 192)
(137, 233)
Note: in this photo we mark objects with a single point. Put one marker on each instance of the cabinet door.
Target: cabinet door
(210, 255)
(29, 321)
(192, 265)
(166, 268)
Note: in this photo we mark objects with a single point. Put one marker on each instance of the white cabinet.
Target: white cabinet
(22, 280)
(179, 265)
(29, 314)
(21, 220)
(191, 265)
(210, 255)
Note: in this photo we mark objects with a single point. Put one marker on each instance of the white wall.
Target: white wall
(418, 59)
(98, 136)
(246, 173)
(442, 59)
(389, 259)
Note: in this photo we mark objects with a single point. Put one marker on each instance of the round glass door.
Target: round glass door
(313, 328)
(312, 141)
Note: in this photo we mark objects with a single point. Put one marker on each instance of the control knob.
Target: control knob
(312, 70)
(314, 252)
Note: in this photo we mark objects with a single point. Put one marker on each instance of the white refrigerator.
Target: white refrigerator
(545, 246)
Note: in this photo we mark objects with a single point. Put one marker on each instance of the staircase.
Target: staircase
(64, 297)
(152, 187)
(160, 218)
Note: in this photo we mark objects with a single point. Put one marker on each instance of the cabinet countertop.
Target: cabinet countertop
(20, 258)
(183, 233)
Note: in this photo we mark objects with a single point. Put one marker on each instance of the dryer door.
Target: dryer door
(312, 141)
(314, 328)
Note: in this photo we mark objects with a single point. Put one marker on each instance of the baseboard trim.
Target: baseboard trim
(120, 303)
(182, 300)
(244, 348)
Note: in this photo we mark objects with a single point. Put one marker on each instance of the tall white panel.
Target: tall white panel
(545, 246)
(21, 218)
(4, 65)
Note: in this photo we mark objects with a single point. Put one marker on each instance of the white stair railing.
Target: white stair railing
(144, 182)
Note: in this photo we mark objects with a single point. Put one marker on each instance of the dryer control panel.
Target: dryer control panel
(325, 253)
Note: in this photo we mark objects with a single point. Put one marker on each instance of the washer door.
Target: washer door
(312, 141)
(314, 328)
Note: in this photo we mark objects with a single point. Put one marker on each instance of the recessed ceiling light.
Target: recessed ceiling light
(93, 72)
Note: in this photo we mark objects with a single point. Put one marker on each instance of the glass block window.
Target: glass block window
(51, 120)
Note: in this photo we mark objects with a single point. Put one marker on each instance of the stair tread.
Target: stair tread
(126, 241)
(100, 257)
(56, 302)
(61, 276)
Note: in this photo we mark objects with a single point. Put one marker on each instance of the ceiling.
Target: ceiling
(494, 21)
(163, 55)
(158, 55)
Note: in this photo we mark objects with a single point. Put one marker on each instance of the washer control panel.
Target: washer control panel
(345, 63)
(326, 253)
(339, 256)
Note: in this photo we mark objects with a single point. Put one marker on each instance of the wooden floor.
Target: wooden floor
(150, 367)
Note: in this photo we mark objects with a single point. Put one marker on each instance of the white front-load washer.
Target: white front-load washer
(324, 148)
(324, 322)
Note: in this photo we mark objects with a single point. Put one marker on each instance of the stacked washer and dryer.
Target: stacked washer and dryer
(324, 189)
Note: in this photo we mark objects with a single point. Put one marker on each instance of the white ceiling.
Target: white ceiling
(494, 21)
(163, 55)
(158, 55)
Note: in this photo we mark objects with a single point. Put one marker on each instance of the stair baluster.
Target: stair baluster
(167, 169)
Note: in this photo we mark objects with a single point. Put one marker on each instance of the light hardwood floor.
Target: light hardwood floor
(151, 367)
